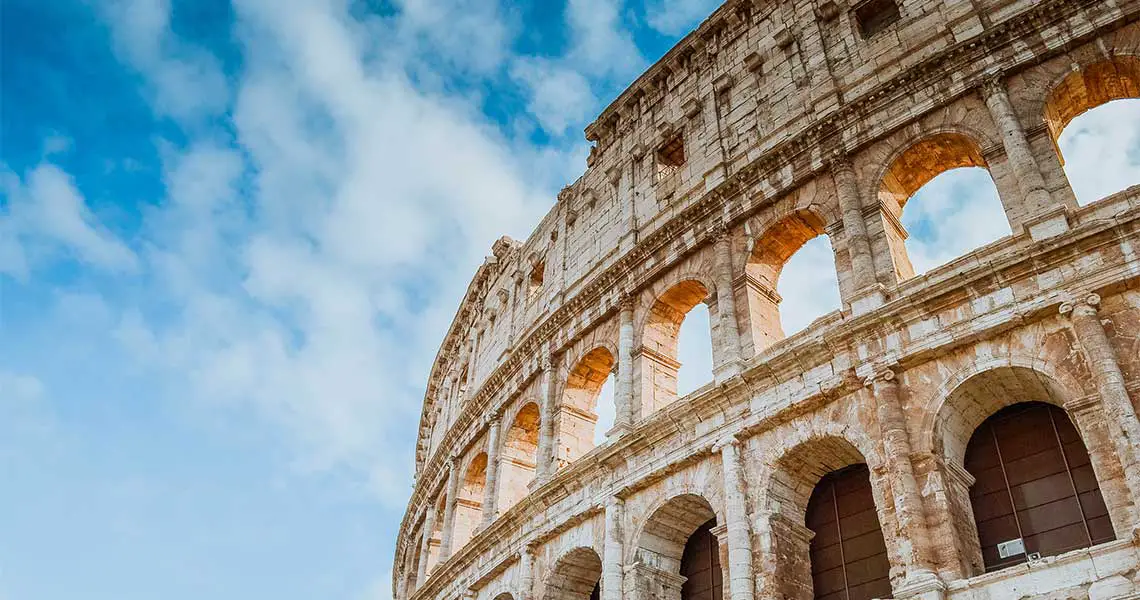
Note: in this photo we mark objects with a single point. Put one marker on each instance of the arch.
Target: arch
(1088, 87)
(672, 531)
(469, 500)
(656, 360)
(788, 489)
(575, 576)
(578, 412)
(504, 596)
(913, 167)
(661, 540)
(519, 456)
(965, 402)
(1034, 483)
(770, 252)
(436, 538)
(847, 551)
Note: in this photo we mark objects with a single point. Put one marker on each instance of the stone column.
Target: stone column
(623, 398)
(491, 487)
(740, 571)
(868, 293)
(526, 573)
(449, 510)
(546, 436)
(612, 568)
(1025, 169)
(1123, 424)
(907, 498)
(726, 309)
(425, 546)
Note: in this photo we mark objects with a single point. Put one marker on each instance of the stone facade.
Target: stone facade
(771, 124)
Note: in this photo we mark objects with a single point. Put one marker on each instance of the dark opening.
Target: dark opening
(1034, 483)
(597, 593)
(536, 275)
(671, 156)
(700, 564)
(876, 15)
(848, 554)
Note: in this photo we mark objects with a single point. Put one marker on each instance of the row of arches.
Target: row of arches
(586, 397)
(1033, 492)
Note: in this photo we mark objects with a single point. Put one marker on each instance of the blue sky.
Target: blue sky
(232, 236)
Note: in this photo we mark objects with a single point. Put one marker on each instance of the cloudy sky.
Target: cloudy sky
(232, 236)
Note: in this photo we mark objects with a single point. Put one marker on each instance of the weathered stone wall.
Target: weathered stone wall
(793, 124)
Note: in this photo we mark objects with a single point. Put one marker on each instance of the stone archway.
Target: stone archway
(519, 456)
(578, 413)
(656, 361)
(575, 576)
(665, 538)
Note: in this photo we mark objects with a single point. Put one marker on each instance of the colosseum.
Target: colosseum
(967, 433)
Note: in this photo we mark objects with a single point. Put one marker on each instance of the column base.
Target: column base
(727, 371)
(868, 299)
(1048, 224)
(921, 584)
(617, 431)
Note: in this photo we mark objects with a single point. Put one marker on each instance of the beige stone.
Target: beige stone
(793, 123)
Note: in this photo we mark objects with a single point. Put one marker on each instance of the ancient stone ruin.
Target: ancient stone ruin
(968, 433)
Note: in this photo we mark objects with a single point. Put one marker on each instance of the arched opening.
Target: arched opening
(957, 207)
(848, 554)
(959, 440)
(519, 456)
(469, 505)
(579, 412)
(657, 360)
(820, 556)
(413, 563)
(1084, 114)
(1034, 488)
(678, 553)
(576, 576)
(694, 351)
(504, 596)
(436, 534)
(792, 259)
(700, 565)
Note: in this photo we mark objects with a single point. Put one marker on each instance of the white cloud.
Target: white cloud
(953, 214)
(675, 17)
(186, 82)
(808, 285)
(47, 216)
(1102, 157)
(559, 96)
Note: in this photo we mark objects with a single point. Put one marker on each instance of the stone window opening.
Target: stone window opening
(789, 241)
(1110, 87)
(582, 404)
(671, 157)
(964, 210)
(469, 504)
(873, 16)
(970, 470)
(657, 361)
(518, 457)
(534, 282)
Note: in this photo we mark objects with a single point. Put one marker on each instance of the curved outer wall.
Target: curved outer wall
(794, 123)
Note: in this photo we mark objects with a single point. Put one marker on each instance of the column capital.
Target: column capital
(1079, 304)
(729, 440)
(993, 85)
(626, 301)
(839, 162)
(882, 374)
